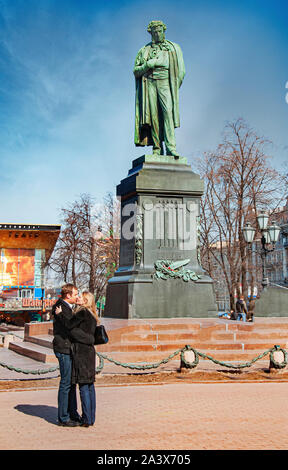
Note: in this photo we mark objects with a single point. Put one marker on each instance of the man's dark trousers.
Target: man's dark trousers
(67, 401)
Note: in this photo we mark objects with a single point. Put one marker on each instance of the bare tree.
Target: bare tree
(64, 260)
(239, 182)
(86, 252)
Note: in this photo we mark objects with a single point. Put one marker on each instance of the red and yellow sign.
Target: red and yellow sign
(38, 302)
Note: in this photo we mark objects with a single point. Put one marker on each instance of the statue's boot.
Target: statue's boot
(173, 153)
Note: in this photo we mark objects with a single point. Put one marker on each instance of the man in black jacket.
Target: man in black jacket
(241, 308)
(62, 342)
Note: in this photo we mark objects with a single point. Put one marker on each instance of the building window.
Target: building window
(26, 293)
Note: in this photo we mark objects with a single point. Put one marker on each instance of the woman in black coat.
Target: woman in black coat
(83, 355)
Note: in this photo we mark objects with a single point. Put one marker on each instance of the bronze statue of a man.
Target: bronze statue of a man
(159, 71)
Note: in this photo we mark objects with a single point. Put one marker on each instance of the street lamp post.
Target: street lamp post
(269, 237)
(42, 306)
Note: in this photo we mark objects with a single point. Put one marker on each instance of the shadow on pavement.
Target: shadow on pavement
(49, 413)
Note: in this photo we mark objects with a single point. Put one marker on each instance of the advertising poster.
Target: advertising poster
(17, 267)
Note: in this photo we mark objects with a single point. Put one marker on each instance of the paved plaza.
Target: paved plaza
(211, 409)
(208, 416)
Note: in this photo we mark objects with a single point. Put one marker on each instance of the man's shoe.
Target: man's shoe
(85, 425)
(69, 424)
(76, 420)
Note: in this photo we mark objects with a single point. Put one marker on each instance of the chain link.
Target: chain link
(27, 371)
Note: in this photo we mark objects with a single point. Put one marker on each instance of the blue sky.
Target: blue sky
(67, 90)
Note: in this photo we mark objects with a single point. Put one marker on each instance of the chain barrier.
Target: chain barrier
(191, 365)
(187, 364)
(27, 371)
(144, 366)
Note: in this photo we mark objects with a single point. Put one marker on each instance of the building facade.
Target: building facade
(276, 263)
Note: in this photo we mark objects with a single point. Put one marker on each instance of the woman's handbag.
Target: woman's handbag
(100, 335)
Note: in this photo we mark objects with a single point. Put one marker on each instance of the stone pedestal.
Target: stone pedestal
(160, 274)
(273, 302)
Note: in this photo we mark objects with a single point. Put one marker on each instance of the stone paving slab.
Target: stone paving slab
(232, 416)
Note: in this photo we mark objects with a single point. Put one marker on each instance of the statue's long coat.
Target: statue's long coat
(142, 109)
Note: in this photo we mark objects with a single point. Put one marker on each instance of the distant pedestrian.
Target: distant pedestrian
(241, 308)
(251, 307)
(233, 315)
(224, 315)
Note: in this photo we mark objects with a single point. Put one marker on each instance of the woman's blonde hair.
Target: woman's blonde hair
(90, 304)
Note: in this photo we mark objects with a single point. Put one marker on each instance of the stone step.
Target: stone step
(193, 327)
(174, 342)
(159, 336)
(226, 335)
(132, 336)
(201, 335)
(257, 325)
(41, 340)
(148, 346)
(221, 325)
(146, 329)
(137, 335)
(270, 335)
(34, 351)
(7, 328)
(206, 332)
(258, 344)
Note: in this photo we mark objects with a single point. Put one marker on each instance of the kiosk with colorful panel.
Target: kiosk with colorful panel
(24, 253)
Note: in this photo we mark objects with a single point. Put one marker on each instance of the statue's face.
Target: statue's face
(158, 34)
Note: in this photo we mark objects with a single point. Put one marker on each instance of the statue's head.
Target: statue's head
(157, 30)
